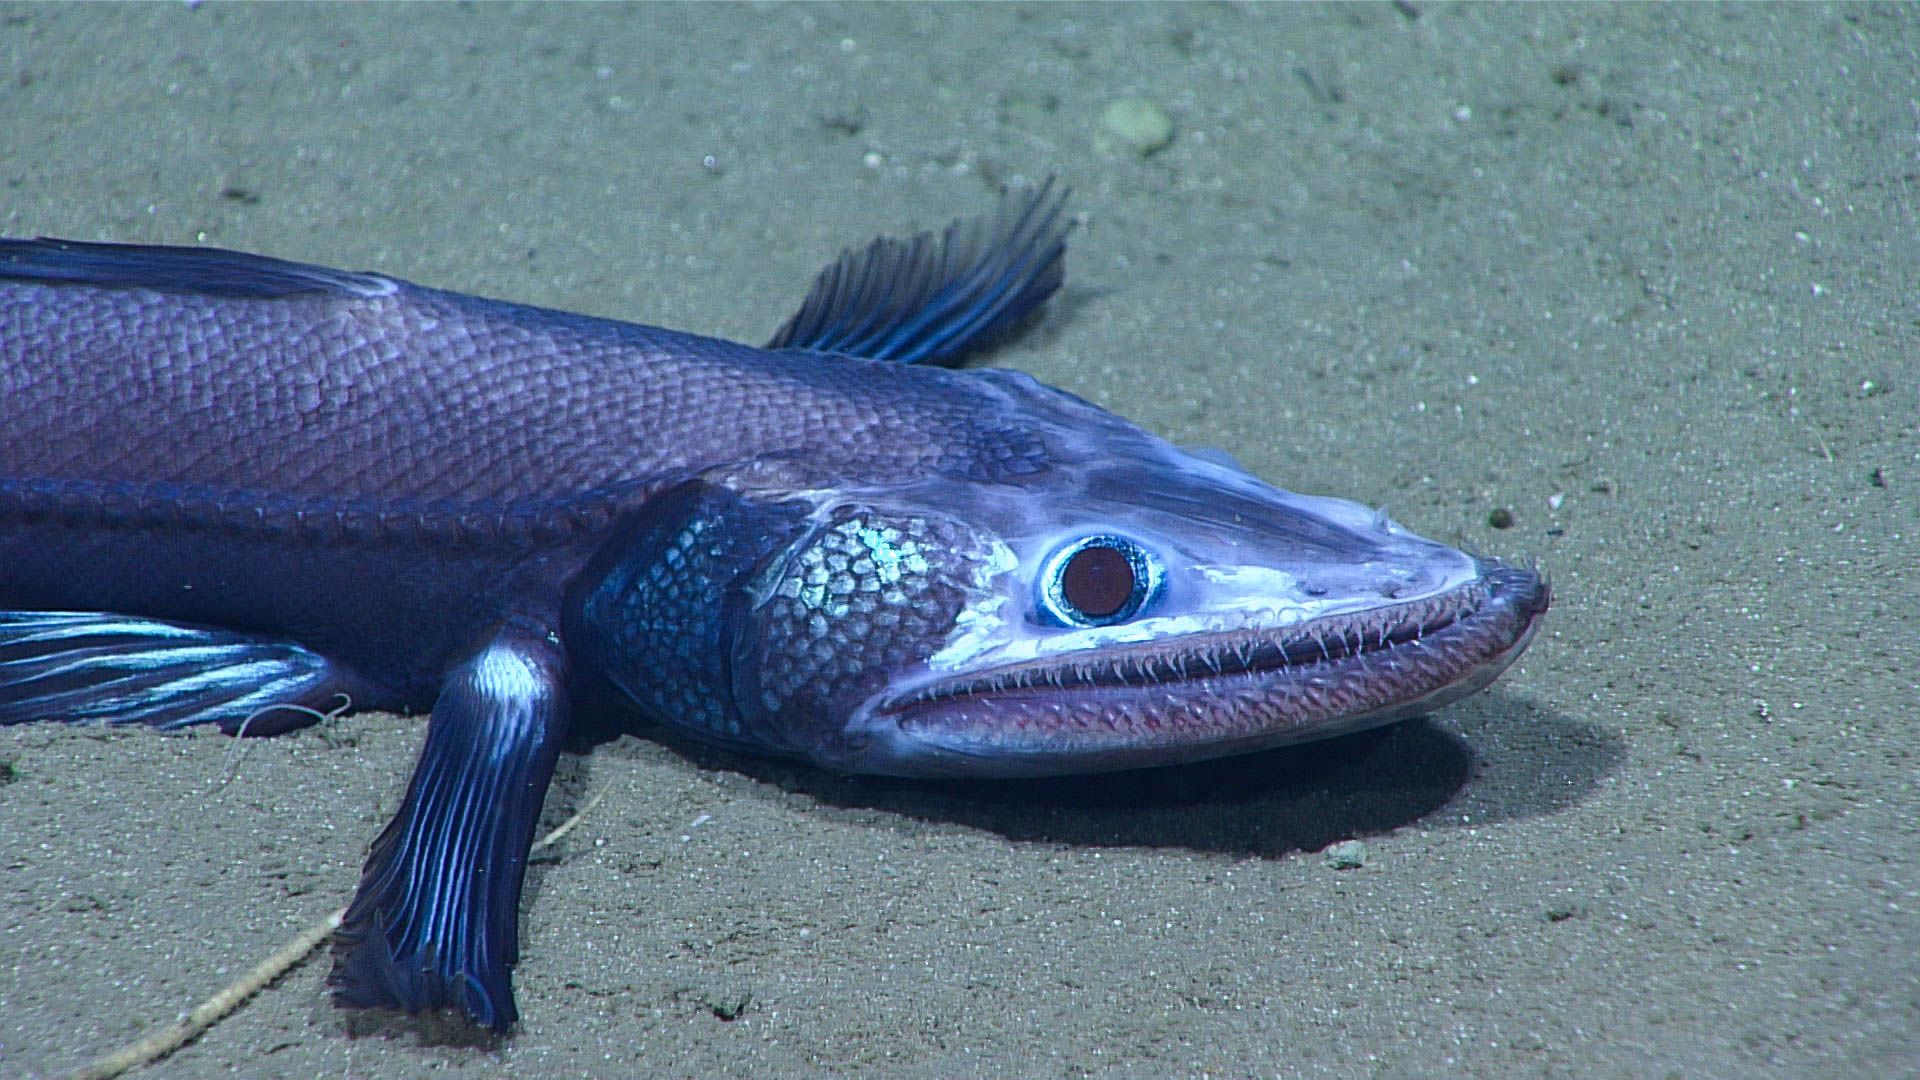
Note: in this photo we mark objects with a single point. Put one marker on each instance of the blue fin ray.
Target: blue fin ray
(937, 298)
(435, 923)
(202, 271)
(84, 666)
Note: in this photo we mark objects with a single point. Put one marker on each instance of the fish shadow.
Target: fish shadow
(1264, 805)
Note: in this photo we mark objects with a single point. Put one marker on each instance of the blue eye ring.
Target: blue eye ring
(1098, 580)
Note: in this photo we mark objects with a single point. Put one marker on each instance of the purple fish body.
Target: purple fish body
(433, 458)
(230, 485)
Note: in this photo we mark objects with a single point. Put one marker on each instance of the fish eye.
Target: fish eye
(1098, 581)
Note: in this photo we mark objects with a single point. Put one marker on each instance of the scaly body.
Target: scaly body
(230, 484)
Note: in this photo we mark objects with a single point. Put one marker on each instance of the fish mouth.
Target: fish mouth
(1213, 694)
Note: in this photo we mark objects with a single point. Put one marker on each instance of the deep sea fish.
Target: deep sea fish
(231, 484)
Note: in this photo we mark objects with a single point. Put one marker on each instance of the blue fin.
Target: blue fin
(936, 299)
(435, 924)
(206, 271)
(89, 666)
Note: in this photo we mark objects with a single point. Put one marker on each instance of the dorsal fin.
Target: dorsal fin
(935, 298)
(206, 271)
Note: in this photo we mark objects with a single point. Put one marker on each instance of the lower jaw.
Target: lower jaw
(1062, 732)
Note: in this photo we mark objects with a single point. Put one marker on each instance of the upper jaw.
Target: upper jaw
(1208, 693)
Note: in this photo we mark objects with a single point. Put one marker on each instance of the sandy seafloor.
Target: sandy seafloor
(1648, 278)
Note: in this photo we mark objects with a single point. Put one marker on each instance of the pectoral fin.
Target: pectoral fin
(436, 921)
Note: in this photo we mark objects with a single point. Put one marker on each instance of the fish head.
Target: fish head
(1130, 604)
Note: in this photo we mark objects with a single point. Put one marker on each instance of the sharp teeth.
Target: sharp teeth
(1367, 640)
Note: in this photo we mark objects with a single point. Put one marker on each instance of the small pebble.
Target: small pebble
(1346, 855)
(1139, 125)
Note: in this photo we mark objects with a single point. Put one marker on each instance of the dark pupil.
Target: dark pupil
(1097, 581)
